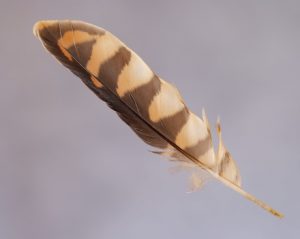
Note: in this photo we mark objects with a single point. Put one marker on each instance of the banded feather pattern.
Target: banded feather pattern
(152, 107)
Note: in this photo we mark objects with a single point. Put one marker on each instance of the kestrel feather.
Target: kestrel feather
(152, 107)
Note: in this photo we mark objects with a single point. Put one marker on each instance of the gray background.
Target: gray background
(69, 168)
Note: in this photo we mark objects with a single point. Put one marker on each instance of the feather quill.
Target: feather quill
(152, 107)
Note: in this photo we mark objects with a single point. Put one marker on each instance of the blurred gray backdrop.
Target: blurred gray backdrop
(70, 169)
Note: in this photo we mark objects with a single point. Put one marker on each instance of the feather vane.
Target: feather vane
(152, 107)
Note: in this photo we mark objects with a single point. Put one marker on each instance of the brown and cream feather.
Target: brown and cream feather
(152, 107)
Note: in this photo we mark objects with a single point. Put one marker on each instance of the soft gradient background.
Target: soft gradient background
(70, 169)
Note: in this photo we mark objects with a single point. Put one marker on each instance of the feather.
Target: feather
(152, 107)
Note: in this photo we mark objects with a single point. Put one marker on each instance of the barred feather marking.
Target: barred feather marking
(143, 95)
(104, 49)
(172, 125)
(134, 75)
(193, 131)
(227, 167)
(111, 69)
(195, 139)
(165, 103)
(132, 108)
(70, 37)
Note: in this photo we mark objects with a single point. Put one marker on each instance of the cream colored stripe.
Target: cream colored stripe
(135, 74)
(71, 38)
(74, 37)
(166, 102)
(105, 47)
(193, 131)
(209, 158)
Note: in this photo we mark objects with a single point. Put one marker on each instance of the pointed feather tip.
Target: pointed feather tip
(205, 119)
(204, 114)
(40, 25)
(37, 27)
(277, 214)
(219, 126)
